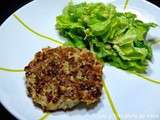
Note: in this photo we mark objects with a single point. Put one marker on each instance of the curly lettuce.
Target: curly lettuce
(117, 38)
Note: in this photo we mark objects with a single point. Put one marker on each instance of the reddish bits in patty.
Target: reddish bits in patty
(63, 77)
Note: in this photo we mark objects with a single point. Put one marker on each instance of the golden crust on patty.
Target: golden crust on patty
(60, 78)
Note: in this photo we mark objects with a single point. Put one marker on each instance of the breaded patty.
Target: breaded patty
(63, 77)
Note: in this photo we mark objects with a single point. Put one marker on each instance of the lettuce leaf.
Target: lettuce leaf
(117, 38)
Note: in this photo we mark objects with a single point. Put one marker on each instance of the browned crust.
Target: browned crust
(64, 73)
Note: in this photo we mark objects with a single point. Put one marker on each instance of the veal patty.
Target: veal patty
(63, 77)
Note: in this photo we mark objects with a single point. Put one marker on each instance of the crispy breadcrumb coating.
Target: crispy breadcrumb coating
(63, 77)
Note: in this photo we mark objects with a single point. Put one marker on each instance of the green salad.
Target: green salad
(117, 38)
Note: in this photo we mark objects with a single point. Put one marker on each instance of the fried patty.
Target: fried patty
(61, 78)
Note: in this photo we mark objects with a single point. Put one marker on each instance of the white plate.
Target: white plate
(134, 97)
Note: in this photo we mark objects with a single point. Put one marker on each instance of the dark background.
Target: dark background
(7, 7)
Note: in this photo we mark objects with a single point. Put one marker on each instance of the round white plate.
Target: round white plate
(135, 98)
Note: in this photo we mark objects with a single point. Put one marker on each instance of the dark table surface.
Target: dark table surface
(7, 7)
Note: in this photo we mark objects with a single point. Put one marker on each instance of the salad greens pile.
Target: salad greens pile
(117, 38)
